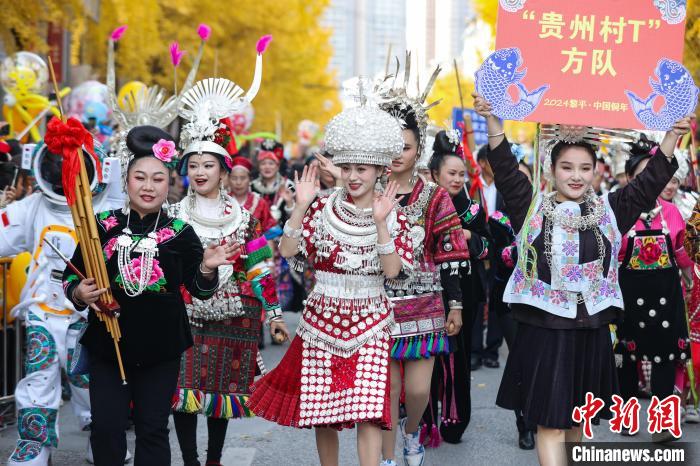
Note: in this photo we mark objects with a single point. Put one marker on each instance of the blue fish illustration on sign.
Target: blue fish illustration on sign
(500, 71)
(672, 11)
(512, 6)
(675, 84)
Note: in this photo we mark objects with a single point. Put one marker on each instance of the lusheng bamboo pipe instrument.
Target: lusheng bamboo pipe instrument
(81, 208)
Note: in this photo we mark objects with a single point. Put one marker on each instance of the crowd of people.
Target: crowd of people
(374, 238)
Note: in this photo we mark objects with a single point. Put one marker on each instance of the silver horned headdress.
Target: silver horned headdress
(399, 97)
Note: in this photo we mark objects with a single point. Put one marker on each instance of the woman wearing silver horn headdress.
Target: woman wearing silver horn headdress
(335, 373)
(564, 290)
(217, 371)
(424, 321)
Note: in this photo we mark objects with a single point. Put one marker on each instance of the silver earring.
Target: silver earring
(222, 191)
(127, 206)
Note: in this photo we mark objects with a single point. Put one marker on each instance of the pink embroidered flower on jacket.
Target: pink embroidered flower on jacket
(164, 234)
(681, 343)
(109, 222)
(109, 247)
(631, 345)
(156, 273)
(164, 150)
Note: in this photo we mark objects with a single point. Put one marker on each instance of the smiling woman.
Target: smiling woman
(150, 256)
(564, 290)
(226, 327)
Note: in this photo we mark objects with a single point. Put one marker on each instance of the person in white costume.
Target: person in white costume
(51, 323)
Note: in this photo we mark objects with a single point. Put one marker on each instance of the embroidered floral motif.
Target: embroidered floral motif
(631, 346)
(164, 234)
(649, 253)
(109, 248)
(682, 343)
(156, 282)
(573, 272)
(590, 270)
(536, 222)
(268, 290)
(537, 289)
(558, 297)
(109, 222)
(570, 248)
(605, 220)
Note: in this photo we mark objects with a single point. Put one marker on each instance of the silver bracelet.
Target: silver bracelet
(290, 209)
(386, 249)
(211, 272)
(496, 135)
(289, 232)
(273, 316)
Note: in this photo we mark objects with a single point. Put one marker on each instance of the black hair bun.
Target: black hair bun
(642, 146)
(141, 139)
(443, 146)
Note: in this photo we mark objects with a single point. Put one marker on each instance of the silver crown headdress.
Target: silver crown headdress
(398, 96)
(150, 107)
(364, 135)
(204, 105)
(551, 135)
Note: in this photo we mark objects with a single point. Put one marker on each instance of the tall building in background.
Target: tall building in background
(363, 29)
(435, 32)
(362, 32)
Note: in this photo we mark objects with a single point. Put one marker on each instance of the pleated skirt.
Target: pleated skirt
(549, 372)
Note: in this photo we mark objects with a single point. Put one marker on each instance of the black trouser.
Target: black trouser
(663, 378)
(186, 429)
(509, 326)
(151, 389)
(494, 337)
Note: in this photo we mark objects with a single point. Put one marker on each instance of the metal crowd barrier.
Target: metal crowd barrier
(11, 357)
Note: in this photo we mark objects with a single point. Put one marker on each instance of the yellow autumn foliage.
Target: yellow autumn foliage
(297, 83)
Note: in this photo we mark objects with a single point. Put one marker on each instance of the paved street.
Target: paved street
(491, 438)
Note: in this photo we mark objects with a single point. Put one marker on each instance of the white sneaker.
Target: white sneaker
(388, 463)
(29, 453)
(413, 450)
(692, 416)
(90, 459)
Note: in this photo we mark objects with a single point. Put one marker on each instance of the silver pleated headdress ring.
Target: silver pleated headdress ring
(551, 135)
(364, 135)
(212, 99)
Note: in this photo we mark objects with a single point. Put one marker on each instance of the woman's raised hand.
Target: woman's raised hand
(307, 186)
(385, 202)
(328, 165)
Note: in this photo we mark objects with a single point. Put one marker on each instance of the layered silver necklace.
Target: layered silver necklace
(147, 247)
(354, 230)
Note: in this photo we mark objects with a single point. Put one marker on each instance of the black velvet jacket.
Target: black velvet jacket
(154, 324)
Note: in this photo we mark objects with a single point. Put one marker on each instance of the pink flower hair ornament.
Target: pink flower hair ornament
(164, 151)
